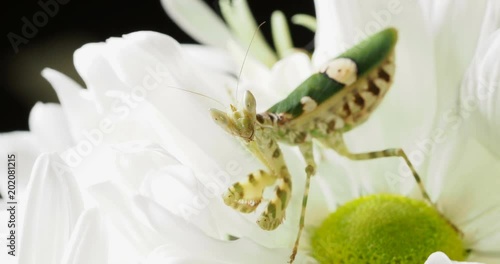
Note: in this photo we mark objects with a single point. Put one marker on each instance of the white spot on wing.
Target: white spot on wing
(342, 70)
(308, 104)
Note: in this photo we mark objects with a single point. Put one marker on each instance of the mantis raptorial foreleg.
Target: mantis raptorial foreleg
(246, 195)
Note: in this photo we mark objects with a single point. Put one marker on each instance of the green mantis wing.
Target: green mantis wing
(367, 56)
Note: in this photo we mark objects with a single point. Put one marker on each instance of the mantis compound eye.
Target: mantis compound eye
(250, 104)
(219, 117)
(232, 124)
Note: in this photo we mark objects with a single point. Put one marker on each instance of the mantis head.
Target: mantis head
(240, 121)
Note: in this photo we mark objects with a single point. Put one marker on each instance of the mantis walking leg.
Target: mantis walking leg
(336, 142)
(307, 152)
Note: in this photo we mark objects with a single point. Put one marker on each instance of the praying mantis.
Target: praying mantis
(337, 99)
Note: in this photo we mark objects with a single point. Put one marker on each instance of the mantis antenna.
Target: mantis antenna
(196, 93)
(246, 55)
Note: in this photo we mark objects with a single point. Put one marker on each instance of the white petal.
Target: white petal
(166, 254)
(6, 258)
(195, 148)
(91, 164)
(340, 182)
(387, 175)
(239, 17)
(133, 57)
(481, 93)
(306, 21)
(118, 208)
(184, 240)
(453, 50)
(176, 189)
(198, 20)
(217, 65)
(130, 72)
(441, 258)
(53, 206)
(254, 77)
(443, 149)
(156, 62)
(281, 34)
(488, 244)
(25, 147)
(213, 59)
(333, 28)
(76, 102)
(94, 117)
(484, 258)
(140, 146)
(98, 74)
(88, 243)
(84, 58)
(136, 159)
(174, 255)
(48, 123)
(468, 196)
(438, 258)
(181, 192)
(491, 20)
(287, 74)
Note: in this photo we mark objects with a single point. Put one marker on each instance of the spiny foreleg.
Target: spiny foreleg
(275, 212)
(246, 194)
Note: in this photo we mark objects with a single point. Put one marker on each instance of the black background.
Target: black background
(82, 21)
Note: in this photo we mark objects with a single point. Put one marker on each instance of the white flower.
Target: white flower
(51, 224)
(425, 112)
(441, 258)
(148, 155)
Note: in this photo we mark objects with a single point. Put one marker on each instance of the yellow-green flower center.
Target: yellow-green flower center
(385, 229)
